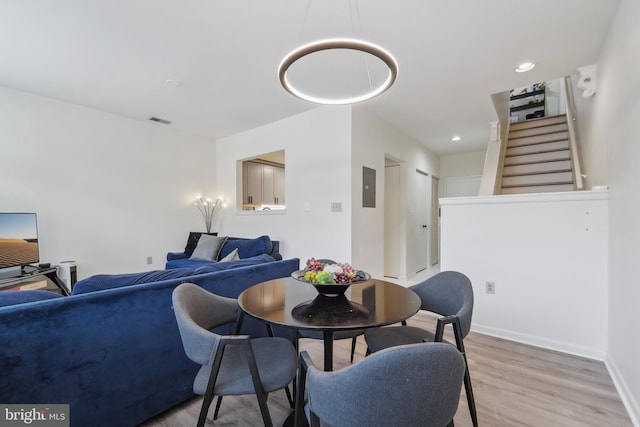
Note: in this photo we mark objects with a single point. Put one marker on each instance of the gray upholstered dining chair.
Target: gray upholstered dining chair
(410, 385)
(231, 364)
(449, 294)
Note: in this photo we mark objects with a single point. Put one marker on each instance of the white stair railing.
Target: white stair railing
(573, 139)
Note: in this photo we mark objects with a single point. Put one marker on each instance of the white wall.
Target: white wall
(546, 253)
(325, 150)
(460, 174)
(109, 191)
(317, 148)
(615, 131)
(373, 140)
(462, 164)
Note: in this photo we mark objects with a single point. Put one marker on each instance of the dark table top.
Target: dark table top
(289, 302)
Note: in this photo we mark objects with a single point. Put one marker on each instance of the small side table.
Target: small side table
(50, 273)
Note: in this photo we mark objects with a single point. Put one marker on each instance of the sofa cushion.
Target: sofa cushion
(187, 263)
(208, 247)
(109, 281)
(192, 242)
(20, 297)
(247, 248)
(243, 262)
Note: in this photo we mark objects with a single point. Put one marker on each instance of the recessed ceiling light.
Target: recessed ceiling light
(525, 66)
(456, 138)
(172, 82)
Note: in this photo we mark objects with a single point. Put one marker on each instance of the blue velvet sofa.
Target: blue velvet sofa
(114, 355)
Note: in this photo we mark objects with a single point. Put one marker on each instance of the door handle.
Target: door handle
(424, 226)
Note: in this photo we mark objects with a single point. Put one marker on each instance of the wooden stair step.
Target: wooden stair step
(538, 179)
(541, 121)
(538, 139)
(537, 168)
(537, 189)
(541, 130)
(537, 148)
(525, 159)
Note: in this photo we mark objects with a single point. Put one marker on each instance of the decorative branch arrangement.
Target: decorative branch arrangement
(208, 208)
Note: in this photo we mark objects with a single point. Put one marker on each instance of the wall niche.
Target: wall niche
(263, 182)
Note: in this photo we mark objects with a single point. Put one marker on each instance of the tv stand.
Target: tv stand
(50, 273)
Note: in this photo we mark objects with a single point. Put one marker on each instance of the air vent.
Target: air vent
(159, 120)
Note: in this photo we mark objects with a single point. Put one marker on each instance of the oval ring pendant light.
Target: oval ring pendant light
(332, 44)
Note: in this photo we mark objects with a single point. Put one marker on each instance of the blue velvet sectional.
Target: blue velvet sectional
(113, 352)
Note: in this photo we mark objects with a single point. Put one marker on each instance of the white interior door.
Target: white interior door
(435, 221)
(392, 233)
(423, 199)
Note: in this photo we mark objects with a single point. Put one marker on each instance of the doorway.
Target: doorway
(435, 220)
(423, 201)
(392, 231)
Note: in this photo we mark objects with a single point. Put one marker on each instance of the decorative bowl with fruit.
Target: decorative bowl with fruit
(328, 277)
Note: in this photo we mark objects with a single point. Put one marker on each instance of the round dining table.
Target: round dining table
(292, 303)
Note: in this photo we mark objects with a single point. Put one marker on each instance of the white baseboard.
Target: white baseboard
(631, 404)
(538, 341)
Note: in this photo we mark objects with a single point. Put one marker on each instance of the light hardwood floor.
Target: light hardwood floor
(514, 385)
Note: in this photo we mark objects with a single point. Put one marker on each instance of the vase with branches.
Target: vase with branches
(208, 208)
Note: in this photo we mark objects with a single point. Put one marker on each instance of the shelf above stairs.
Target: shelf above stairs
(538, 157)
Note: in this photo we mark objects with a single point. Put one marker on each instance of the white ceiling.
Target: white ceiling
(116, 56)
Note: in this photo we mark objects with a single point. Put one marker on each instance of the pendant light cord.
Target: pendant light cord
(304, 22)
(366, 58)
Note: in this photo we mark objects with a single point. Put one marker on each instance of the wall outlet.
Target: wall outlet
(491, 288)
(336, 206)
(149, 260)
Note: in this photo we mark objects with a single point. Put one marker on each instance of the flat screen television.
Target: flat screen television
(18, 239)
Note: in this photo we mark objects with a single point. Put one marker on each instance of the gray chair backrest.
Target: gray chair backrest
(409, 385)
(448, 293)
(197, 311)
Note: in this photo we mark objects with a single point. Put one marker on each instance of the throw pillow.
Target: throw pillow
(192, 241)
(208, 247)
(247, 248)
(231, 257)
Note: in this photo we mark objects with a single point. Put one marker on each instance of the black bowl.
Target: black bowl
(329, 289)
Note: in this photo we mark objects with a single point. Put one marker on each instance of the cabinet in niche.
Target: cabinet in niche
(263, 182)
(278, 186)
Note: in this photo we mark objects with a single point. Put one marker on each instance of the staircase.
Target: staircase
(538, 157)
